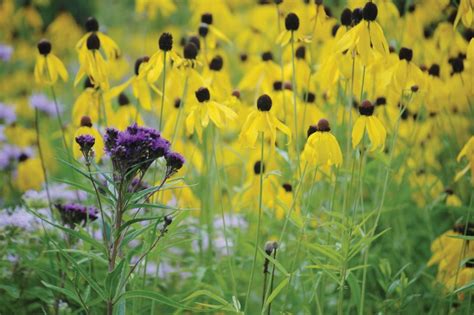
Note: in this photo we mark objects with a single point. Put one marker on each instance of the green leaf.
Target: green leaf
(63, 291)
(130, 222)
(112, 279)
(468, 286)
(277, 264)
(83, 236)
(152, 295)
(12, 291)
(208, 294)
(82, 272)
(326, 251)
(276, 291)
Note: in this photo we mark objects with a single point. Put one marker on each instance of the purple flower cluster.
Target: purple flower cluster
(6, 52)
(7, 114)
(43, 104)
(73, 214)
(174, 161)
(134, 149)
(86, 142)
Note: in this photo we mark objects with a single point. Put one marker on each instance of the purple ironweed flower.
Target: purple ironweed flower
(73, 213)
(7, 114)
(43, 104)
(6, 52)
(134, 149)
(86, 142)
(174, 161)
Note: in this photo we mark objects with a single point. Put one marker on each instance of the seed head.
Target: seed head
(92, 25)
(203, 95)
(405, 54)
(323, 125)
(346, 17)
(44, 47)
(264, 103)
(258, 166)
(370, 11)
(366, 108)
(292, 22)
(165, 42)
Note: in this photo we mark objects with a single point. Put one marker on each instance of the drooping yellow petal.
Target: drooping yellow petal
(59, 67)
(358, 130)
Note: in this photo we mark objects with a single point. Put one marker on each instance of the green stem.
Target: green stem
(252, 272)
(379, 208)
(295, 91)
(181, 106)
(163, 86)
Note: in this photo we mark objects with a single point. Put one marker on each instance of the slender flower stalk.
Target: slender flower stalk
(382, 200)
(43, 166)
(275, 247)
(163, 88)
(295, 91)
(257, 240)
(462, 252)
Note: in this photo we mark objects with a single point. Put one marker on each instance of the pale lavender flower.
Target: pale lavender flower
(7, 114)
(59, 193)
(18, 218)
(8, 156)
(6, 52)
(12, 258)
(3, 138)
(43, 104)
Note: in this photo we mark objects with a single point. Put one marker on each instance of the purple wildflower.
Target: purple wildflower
(43, 104)
(6, 52)
(8, 155)
(174, 161)
(86, 142)
(7, 114)
(134, 149)
(73, 214)
(18, 218)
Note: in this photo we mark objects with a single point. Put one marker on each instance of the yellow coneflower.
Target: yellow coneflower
(292, 25)
(465, 13)
(93, 64)
(139, 84)
(29, 174)
(367, 121)
(48, 67)
(322, 148)
(126, 114)
(366, 38)
(262, 120)
(207, 110)
(110, 48)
